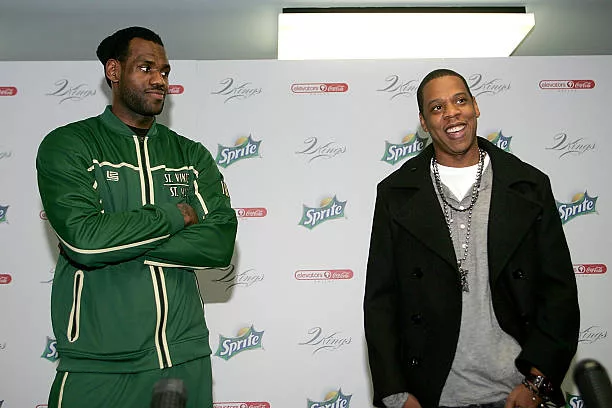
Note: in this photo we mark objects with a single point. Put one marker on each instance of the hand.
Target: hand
(189, 215)
(522, 397)
(412, 402)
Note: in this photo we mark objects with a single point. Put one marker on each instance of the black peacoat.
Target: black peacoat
(412, 302)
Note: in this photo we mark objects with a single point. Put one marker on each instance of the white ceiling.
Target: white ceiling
(246, 29)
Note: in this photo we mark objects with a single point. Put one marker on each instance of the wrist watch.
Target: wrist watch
(541, 383)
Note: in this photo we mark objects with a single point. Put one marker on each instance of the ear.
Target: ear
(113, 70)
(476, 107)
(423, 124)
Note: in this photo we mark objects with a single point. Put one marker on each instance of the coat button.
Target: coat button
(518, 274)
(417, 318)
(417, 273)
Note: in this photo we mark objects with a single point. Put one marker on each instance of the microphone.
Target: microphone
(169, 393)
(593, 384)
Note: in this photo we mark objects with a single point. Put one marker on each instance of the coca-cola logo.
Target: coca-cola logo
(590, 269)
(260, 404)
(8, 91)
(319, 87)
(324, 274)
(256, 212)
(5, 278)
(564, 84)
(175, 89)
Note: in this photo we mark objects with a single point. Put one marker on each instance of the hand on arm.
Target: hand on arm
(189, 215)
(208, 239)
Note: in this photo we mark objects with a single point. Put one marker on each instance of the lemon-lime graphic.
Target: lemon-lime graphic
(330, 395)
(326, 201)
(408, 138)
(577, 197)
(241, 140)
(243, 331)
(492, 136)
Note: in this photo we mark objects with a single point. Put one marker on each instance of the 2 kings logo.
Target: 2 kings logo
(478, 83)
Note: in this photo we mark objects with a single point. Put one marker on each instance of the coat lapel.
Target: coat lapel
(417, 208)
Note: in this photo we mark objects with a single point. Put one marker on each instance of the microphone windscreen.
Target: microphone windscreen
(169, 393)
(593, 384)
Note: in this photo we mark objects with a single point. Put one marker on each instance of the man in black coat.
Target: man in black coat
(470, 295)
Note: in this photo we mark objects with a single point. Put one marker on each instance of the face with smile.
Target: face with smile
(140, 83)
(449, 115)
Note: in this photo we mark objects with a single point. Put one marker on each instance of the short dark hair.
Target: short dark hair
(437, 73)
(116, 46)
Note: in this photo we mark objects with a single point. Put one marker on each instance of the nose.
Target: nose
(450, 110)
(156, 77)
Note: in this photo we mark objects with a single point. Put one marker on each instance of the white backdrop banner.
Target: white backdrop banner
(302, 146)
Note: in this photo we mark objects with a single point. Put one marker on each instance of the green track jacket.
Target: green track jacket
(125, 296)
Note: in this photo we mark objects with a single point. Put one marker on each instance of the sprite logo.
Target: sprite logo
(333, 399)
(3, 211)
(411, 146)
(581, 204)
(50, 352)
(501, 141)
(244, 148)
(330, 209)
(248, 339)
(573, 401)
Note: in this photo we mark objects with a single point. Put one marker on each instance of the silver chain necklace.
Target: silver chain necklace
(448, 215)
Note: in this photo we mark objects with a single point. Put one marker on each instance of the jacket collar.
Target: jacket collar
(511, 213)
(117, 126)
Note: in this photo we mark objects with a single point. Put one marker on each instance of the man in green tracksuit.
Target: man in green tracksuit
(136, 208)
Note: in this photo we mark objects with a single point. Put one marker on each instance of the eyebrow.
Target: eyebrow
(147, 60)
(463, 93)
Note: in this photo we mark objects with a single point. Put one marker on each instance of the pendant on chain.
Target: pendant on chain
(463, 274)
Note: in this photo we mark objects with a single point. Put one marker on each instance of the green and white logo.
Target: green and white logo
(582, 204)
(330, 209)
(244, 148)
(333, 399)
(248, 339)
(50, 352)
(410, 146)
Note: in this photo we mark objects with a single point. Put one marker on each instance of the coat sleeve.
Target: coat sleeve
(553, 340)
(381, 307)
(210, 243)
(89, 236)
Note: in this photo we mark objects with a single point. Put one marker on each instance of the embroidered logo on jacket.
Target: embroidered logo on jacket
(112, 175)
